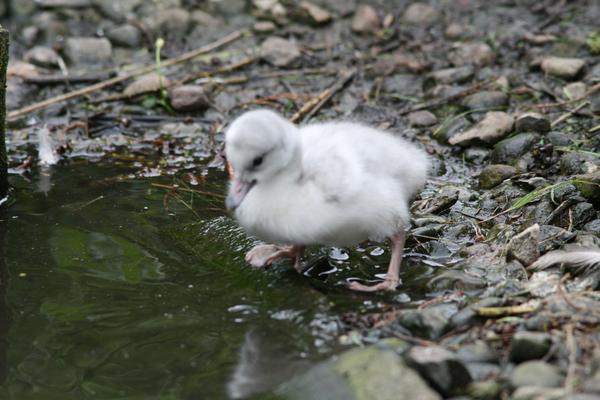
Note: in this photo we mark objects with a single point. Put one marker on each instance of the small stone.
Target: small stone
(582, 213)
(525, 346)
(316, 14)
(492, 128)
(468, 315)
(479, 352)
(593, 227)
(271, 9)
(539, 393)
(494, 174)
(567, 68)
(440, 367)
(279, 52)
(589, 186)
(476, 155)
(559, 139)
(429, 323)
(30, 34)
(420, 14)
(453, 75)
(536, 373)
(532, 122)
(88, 50)
(510, 150)
(171, 22)
(205, 20)
(502, 84)
(151, 82)
(475, 53)
(575, 90)
(524, 247)
(454, 30)
(572, 163)
(125, 35)
(117, 10)
(486, 99)
(365, 19)
(188, 98)
(64, 3)
(595, 103)
(43, 56)
(264, 26)
(422, 118)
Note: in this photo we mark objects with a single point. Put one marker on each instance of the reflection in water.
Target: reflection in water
(263, 364)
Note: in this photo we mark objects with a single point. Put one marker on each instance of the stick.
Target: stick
(311, 107)
(140, 71)
(568, 114)
(503, 311)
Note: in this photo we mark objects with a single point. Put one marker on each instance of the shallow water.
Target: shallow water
(111, 291)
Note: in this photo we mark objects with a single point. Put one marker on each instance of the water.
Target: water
(113, 290)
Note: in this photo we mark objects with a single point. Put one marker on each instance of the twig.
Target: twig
(139, 71)
(55, 79)
(177, 188)
(315, 104)
(503, 311)
(568, 114)
(89, 203)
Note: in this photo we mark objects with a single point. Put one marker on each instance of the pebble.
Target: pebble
(88, 50)
(525, 346)
(575, 90)
(125, 35)
(205, 20)
(151, 82)
(475, 53)
(468, 315)
(494, 174)
(492, 128)
(524, 247)
(486, 99)
(188, 98)
(440, 367)
(422, 118)
(454, 30)
(582, 213)
(316, 14)
(562, 67)
(476, 154)
(429, 323)
(453, 75)
(559, 139)
(572, 163)
(171, 22)
(536, 373)
(366, 19)
(279, 52)
(420, 14)
(510, 150)
(264, 26)
(593, 226)
(532, 122)
(63, 3)
(117, 11)
(43, 56)
(479, 352)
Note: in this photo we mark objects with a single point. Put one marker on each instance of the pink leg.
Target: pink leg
(392, 277)
(290, 252)
(265, 254)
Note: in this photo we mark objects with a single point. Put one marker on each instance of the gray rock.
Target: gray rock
(43, 56)
(422, 118)
(429, 323)
(188, 98)
(476, 155)
(264, 26)
(454, 30)
(440, 367)
(532, 122)
(453, 75)
(582, 213)
(231, 8)
(88, 50)
(510, 150)
(478, 351)
(279, 52)
(363, 373)
(469, 315)
(572, 163)
(117, 10)
(563, 67)
(490, 389)
(593, 226)
(475, 53)
(536, 373)
(589, 186)
(315, 14)
(365, 19)
(30, 34)
(553, 237)
(420, 14)
(492, 128)
(480, 371)
(525, 346)
(575, 90)
(494, 174)
(444, 134)
(125, 35)
(524, 247)
(486, 99)
(595, 102)
(171, 22)
(205, 20)
(559, 139)
(538, 393)
(592, 384)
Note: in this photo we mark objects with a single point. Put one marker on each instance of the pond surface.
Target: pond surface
(113, 289)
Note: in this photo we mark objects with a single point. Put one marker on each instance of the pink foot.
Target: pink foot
(266, 254)
(387, 285)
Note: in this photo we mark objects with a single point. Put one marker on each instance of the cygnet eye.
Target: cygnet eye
(257, 161)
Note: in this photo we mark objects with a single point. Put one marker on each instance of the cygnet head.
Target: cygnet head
(259, 145)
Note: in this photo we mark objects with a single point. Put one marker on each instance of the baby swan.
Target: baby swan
(335, 183)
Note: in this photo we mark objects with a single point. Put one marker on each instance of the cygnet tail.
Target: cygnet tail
(579, 260)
